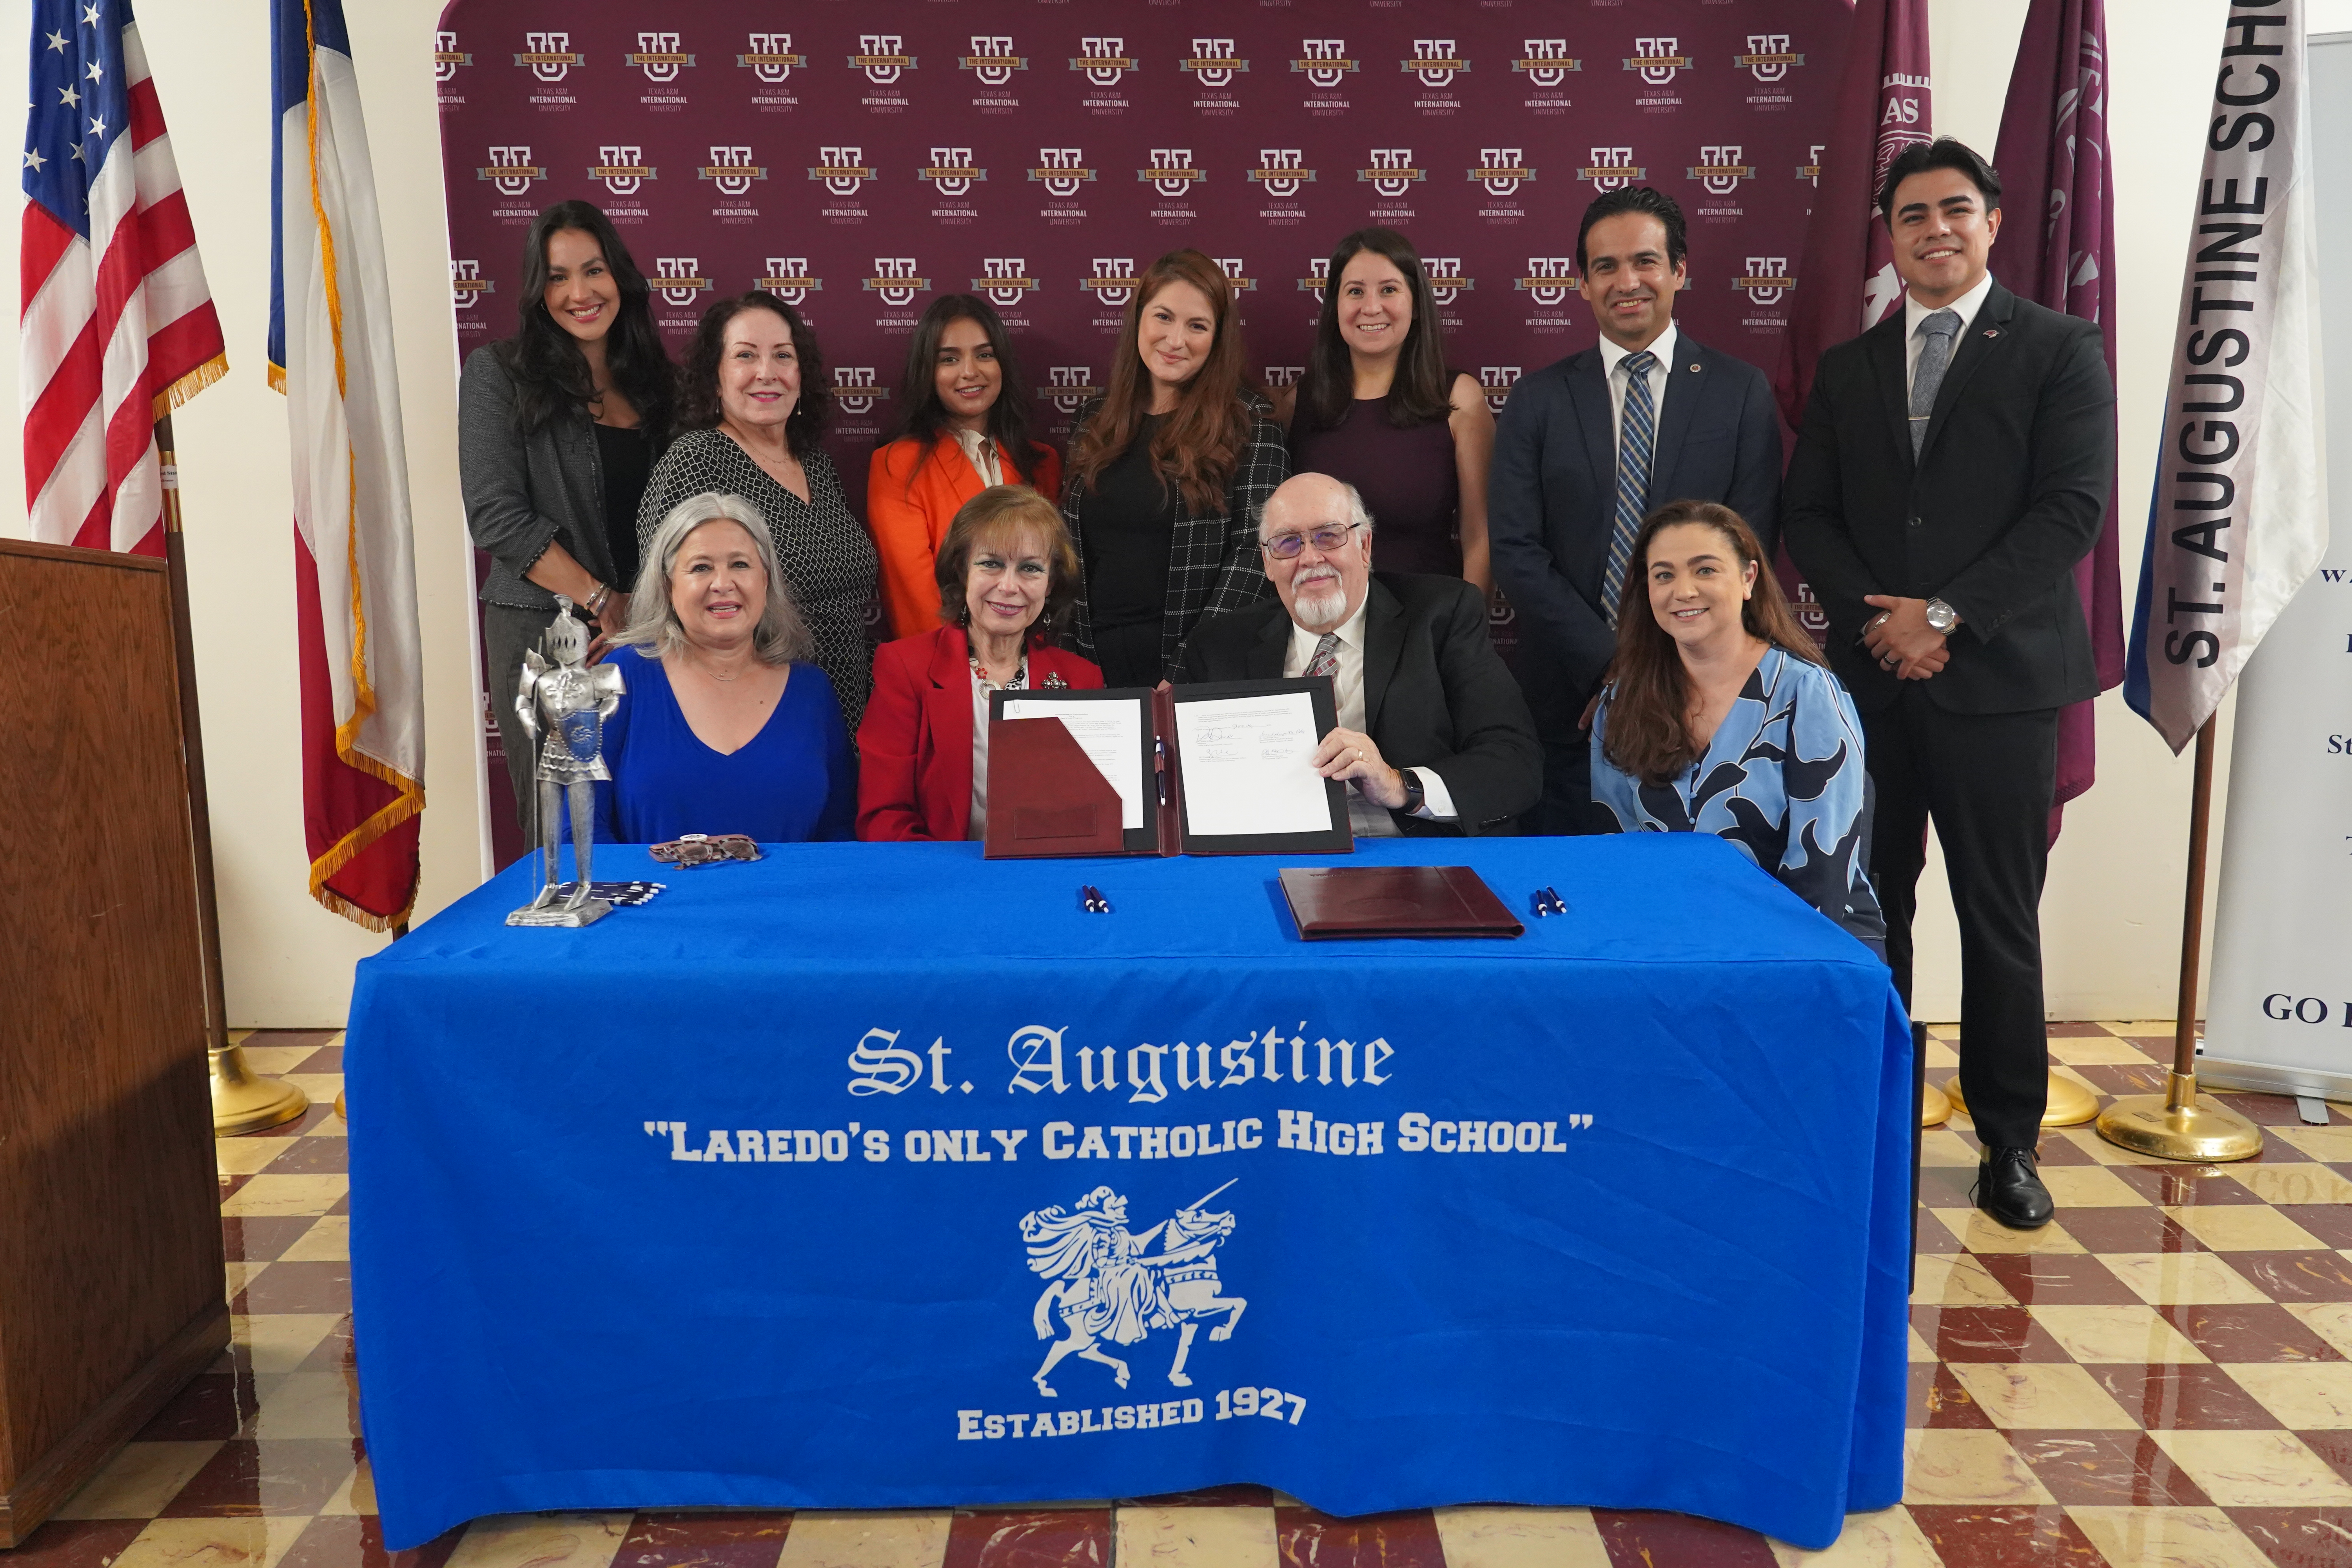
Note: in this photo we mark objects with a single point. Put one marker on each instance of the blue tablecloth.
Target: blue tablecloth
(780, 1190)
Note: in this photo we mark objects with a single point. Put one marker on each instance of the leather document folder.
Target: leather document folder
(1124, 788)
(1330, 902)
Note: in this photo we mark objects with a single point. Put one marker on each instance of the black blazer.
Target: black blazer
(2006, 496)
(1437, 695)
(1551, 500)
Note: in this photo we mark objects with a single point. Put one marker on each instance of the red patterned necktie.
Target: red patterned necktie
(1327, 657)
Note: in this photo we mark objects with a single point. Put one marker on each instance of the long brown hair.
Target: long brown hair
(1421, 392)
(1200, 443)
(1649, 715)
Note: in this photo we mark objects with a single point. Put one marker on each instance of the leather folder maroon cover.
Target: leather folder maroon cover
(1046, 796)
(1330, 902)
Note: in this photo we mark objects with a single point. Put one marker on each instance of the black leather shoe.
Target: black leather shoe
(2008, 1189)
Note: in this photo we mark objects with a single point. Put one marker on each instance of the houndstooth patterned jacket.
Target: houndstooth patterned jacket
(1213, 568)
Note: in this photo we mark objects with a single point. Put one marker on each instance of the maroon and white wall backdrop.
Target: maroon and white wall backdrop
(857, 156)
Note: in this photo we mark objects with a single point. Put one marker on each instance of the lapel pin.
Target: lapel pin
(1693, 370)
(1992, 331)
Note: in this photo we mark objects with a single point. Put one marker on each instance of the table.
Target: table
(790, 1188)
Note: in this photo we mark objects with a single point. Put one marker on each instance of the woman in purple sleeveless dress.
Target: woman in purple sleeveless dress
(1379, 409)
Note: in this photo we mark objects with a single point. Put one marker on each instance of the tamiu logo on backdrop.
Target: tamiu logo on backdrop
(1497, 380)
(1114, 281)
(1318, 278)
(1172, 172)
(1006, 281)
(679, 278)
(856, 389)
(769, 56)
(1237, 274)
(844, 171)
(658, 56)
(1282, 169)
(896, 281)
(1612, 169)
(447, 57)
(1067, 387)
(1435, 62)
(622, 170)
(991, 60)
(1445, 279)
(1105, 60)
(1549, 280)
(1766, 279)
(1500, 170)
(466, 284)
(1719, 170)
(1769, 56)
(788, 279)
(549, 56)
(952, 171)
(1547, 61)
(882, 57)
(731, 168)
(1324, 61)
(1658, 60)
(1062, 170)
(1106, 1285)
(510, 171)
(1213, 61)
(1392, 173)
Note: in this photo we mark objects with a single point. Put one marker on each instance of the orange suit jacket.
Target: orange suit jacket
(908, 505)
(914, 775)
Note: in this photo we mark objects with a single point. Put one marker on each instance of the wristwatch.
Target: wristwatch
(1941, 616)
(1414, 792)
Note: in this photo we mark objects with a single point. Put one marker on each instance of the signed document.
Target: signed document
(1248, 765)
(1111, 735)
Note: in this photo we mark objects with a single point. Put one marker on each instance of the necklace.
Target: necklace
(1020, 681)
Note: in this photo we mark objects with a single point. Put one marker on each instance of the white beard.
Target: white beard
(1320, 607)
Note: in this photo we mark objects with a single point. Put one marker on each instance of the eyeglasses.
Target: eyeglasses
(1287, 546)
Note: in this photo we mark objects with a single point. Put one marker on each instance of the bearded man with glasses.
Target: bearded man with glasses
(1433, 733)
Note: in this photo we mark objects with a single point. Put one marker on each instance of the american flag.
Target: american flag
(118, 324)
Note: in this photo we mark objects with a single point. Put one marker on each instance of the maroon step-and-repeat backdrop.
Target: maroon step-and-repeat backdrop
(857, 156)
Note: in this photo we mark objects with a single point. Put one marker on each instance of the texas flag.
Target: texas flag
(355, 573)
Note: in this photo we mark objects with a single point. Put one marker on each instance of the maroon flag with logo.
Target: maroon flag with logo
(1884, 105)
(2052, 159)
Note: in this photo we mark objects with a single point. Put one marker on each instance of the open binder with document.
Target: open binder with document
(1222, 768)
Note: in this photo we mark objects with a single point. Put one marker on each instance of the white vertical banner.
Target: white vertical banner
(2280, 1014)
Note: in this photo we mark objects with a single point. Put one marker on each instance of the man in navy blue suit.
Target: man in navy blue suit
(1587, 447)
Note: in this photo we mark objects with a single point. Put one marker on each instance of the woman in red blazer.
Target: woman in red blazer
(963, 425)
(1006, 575)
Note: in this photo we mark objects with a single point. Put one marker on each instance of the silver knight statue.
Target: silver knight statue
(564, 701)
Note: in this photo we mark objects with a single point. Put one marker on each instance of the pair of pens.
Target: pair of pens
(1549, 902)
(1090, 898)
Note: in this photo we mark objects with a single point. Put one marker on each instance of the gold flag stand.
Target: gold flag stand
(2180, 1123)
(242, 1101)
(2069, 1103)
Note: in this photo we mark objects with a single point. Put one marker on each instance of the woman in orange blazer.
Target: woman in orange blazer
(963, 425)
(1007, 568)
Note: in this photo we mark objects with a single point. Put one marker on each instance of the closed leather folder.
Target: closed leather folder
(1330, 902)
(1046, 796)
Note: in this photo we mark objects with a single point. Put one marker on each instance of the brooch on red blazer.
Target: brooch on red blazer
(1054, 682)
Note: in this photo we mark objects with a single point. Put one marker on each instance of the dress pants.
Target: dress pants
(1566, 808)
(1986, 779)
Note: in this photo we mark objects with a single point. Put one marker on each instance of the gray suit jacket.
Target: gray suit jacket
(524, 493)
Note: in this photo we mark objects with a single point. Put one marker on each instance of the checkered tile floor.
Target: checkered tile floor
(2161, 1378)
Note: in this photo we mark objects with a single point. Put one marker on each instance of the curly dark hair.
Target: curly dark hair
(550, 375)
(698, 397)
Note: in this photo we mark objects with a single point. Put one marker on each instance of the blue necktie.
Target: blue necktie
(1636, 436)
(1935, 358)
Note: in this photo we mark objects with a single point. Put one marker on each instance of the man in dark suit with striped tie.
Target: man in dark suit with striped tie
(1952, 468)
(1586, 448)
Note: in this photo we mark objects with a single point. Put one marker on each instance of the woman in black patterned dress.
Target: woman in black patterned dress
(748, 408)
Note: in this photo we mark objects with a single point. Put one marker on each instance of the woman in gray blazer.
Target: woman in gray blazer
(557, 429)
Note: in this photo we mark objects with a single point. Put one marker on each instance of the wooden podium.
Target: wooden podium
(112, 1293)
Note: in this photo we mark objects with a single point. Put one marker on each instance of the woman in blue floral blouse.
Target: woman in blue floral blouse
(1721, 716)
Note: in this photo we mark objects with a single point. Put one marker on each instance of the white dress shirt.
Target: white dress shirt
(980, 453)
(1914, 312)
(1612, 360)
(1370, 821)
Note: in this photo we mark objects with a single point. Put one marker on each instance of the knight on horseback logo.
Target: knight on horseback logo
(1107, 1287)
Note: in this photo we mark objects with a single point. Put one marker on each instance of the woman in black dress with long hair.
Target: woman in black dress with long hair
(558, 428)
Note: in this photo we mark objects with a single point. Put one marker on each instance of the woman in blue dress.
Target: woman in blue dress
(724, 728)
(1721, 716)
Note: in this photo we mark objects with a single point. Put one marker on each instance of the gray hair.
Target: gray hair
(780, 637)
(1358, 514)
